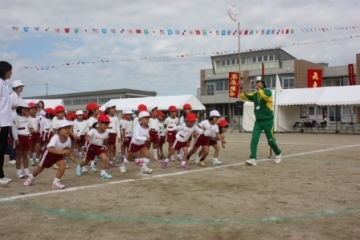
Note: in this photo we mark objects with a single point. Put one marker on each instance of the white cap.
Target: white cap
(79, 112)
(150, 108)
(215, 113)
(17, 83)
(143, 114)
(24, 104)
(258, 78)
(110, 104)
(64, 123)
(127, 111)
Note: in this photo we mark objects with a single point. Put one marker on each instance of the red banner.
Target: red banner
(234, 84)
(351, 74)
(314, 78)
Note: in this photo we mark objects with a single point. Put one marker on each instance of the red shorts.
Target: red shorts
(201, 140)
(162, 140)
(154, 136)
(179, 145)
(35, 138)
(212, 142)
(134, 147)
(48, 159)
(171, 136)
(126, 142)
(81, 139)
(111, 139)
(24, 143)
(94, 150)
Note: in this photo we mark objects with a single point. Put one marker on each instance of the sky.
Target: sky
(166, 76)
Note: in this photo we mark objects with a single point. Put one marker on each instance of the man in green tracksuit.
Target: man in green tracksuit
(264, 116)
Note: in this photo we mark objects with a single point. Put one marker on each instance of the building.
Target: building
(292, 72)
(74, 101)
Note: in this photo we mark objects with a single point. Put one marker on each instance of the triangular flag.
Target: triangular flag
(112, 30)
(169, 32)
(103, 30)
(37, 28)
(57, 30)
(130, 31)
(26, 29)
(76, 30)
(204, 32)
(67, 30)
(146, 31)
(153, 32)
(85, 30)
(233, 11)
(138, 31)
(177, 32)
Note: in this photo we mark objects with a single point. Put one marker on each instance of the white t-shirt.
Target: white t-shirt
(91, 122)
(14, 100)
(54, 123)
(80, 128)
(154, 124)
(114, 126)
(97, 138)
(185, 132)
(171, 123)
(135, 123)
(45, 124)
(57, 144)
(6, 117)
(128, 127)
(162, 132)
(208, 129)
(41, 114)
(20, 126)
(34, 122)
(140, 135)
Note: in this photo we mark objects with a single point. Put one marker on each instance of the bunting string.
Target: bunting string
(202, 54)
(176, 32)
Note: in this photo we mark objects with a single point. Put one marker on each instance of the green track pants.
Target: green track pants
(268, 127)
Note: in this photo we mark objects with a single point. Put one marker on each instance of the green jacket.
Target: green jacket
(263, 103)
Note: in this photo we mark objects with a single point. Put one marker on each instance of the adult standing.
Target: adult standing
(6, 119)
(40, 109)
(264, 119)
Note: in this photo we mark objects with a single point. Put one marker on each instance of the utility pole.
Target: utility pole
(47, 85)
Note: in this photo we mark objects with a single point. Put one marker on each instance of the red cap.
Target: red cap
(32, 104)
(172, 109)
(187, 106)
(91, 106)
(73, 116)
(191, 117)
(85, 115)
(59, 108)
(160, 113)
(142, 107)
(102, 113)
(49, 110)
(68, 116)
(103, 118)
(222, 123)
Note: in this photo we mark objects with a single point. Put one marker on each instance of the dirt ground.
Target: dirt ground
(313, 194)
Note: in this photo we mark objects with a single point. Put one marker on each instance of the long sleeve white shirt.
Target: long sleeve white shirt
(140, 135)
(6, 117)
(14, 100)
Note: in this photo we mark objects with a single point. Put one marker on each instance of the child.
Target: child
(186, 110)
(40, 113)
(140, 137)
(96, 139)
(21, 134)
(223, 126)
(114, 131)
(126, 131)
(185, 131)
(58, 146)
(35, 139)
(45, 126)
(154, 131)
(162, 134)
(170, 124)
(93, 113)
(209, 128)
(138, 156)
(80, 129)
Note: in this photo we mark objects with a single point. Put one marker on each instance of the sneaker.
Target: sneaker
(67, 166)
(111, 165)
(37, 161)
(55, 166)
(106, 176)
(116, 160)
(20, 175)
(32, 162)
(172, 159)
(2, 181)
(191, 159)
(251, 162)
(7, 179)
(146, 170)
(185, 166)
(28, 181)
(202, 164)
(78, 171)
(27, 172)
(12, 161)
(157, 160)
(217, 162)
(179, 157)
(139, 163)
(197, 160)
(164, 164)
(84, 169)
(57, 185)
(123, 169)
(278, 158)
(93, 169)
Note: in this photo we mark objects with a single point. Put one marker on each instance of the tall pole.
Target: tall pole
(239, 61)
(46, 88)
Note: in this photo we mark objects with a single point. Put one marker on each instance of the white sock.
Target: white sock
(31, 176)
(166, 160)
(145, 162)
(137, 160)
(56, 180)
(26, 170)
(155, 154)
(19, 171)
(183, 163)
(124, 162)
(103, 172)
(92, 163)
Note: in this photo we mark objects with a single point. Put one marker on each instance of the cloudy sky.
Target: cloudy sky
(167, 76)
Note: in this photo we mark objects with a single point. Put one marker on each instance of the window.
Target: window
(220, 85)
(67, 102)
(210, 88)
(271, 57)
(223, 63)
(311, 111)
(270, 81)
(104, 100)
(83, 101)
(228, 62)
(236, 61)
(288, 82)
(218, 63)
(266, 58)
(346, 110)
(254, 59)
(252, 86)
(338, 81)
(243, 61)
(345, 81)
(226, 84)
(233, 62)
(259, 59)
(276, 57)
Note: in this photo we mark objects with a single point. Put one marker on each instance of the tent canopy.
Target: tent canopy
(324, 96)
(162, 102)
(49, 103)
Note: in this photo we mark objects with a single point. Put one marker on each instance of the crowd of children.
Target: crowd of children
(49, 137)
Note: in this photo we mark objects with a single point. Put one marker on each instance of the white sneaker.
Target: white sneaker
(84, 169)
(27, 172)
(197, 160)
(123, 169)
(32, 162)
(2, 181)
(217, 162)
(93, 169)
(12, 161)
(78, 171)
(7, 179)
(278, 158)
(146, 170)
(37, 160)
(251, 162)
(28, 181)
(20, 175)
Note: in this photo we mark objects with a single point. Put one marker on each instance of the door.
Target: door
(335, 113)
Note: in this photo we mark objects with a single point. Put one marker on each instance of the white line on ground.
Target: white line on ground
(160, 176)
(290, 143)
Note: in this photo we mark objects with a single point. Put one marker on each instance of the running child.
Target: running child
(80, 129)
(140, 137)
(45, 127)
(170, 124)
(126, 131)
(114, 132)
(186, 110)
(92, 114)
(58, 146)
(96, 139)
(184, 132)
(138, 156)
(35, 139)
(154, 131)
(162, 134)
(21, 135)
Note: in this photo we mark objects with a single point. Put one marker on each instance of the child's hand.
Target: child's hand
(223, 141)
(17, 142)
(148, 138)
(65, 151)
(223, 145)
(72, 159)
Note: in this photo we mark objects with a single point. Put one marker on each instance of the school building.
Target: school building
(292, 72)
(79, 100)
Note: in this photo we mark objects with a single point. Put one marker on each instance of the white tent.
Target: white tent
(162, 102)
(52, 103)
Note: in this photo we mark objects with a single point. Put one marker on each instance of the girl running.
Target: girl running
(170, 124)
(114, 132)
(80, 129)
(93, 113)
(154, 131)
(162, 134)
(126, 131)
(35, 139)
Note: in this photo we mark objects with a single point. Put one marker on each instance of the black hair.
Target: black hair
(18, 110)
(41, 101)
(211, 118)
(4, 68)
(220, 128)
(90, 113)
(107, 111)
